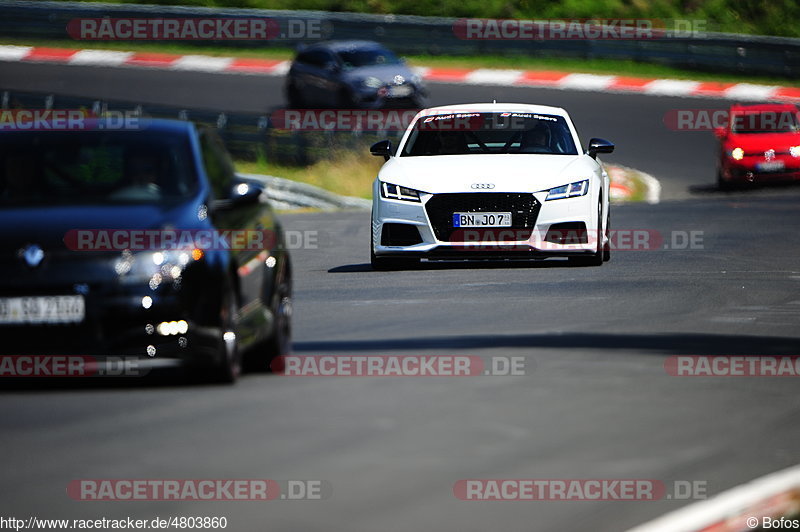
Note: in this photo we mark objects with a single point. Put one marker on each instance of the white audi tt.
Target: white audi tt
(490, 181)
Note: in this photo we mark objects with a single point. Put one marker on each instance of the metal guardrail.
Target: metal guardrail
(759, 55)
(286, 194)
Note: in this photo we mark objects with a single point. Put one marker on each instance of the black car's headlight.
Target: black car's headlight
(155, 267)
(372, 82)
(573, 190)
(396, 192)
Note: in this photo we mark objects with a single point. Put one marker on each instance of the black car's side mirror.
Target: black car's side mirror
(241, 193)
(332, 66)
(382, 149)
(599, 146)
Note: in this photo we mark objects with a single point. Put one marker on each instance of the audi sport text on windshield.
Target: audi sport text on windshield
(490, 133)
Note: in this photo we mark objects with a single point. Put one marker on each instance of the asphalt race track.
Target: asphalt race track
(595, 401)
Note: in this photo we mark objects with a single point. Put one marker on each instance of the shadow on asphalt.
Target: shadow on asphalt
(712, 188)
(666, 344)
(460, 265)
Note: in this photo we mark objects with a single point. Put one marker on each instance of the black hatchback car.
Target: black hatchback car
(139, 243)
(352, 74)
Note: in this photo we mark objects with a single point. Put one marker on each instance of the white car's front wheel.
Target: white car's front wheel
(596, 258)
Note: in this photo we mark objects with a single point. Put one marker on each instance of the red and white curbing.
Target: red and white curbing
(623, 184)
(481, 76)
(741, 508)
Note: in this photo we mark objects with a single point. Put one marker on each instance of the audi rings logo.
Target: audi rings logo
(482, 186)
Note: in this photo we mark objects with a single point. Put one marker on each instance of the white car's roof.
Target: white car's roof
(493, 108)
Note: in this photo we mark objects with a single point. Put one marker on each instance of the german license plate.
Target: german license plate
(400, 91)
(481, 219)
(771, 166)
(45, 309)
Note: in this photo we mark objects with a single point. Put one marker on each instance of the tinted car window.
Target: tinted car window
(473, 133)
(362, 57)
(217, 162)
(317, 58)
(94, 167)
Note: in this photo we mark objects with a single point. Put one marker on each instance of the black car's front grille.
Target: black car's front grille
(524, 210)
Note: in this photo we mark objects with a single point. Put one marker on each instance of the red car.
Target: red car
(761, 143)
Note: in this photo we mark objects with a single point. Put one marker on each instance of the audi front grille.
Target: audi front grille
(524, 210)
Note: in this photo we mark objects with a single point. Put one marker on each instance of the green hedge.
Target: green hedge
(765, 17)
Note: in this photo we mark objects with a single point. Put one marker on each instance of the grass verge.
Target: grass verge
(347, 174)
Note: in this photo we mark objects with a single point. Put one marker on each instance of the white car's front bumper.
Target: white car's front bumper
(539, 228)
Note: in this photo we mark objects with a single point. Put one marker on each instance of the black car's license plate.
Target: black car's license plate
(42, 309)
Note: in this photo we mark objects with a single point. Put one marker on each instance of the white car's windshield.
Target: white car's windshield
(490, 133)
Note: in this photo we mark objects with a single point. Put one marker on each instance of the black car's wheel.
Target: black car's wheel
(229, 364)
(294, 97)
(279, 343)
(346, 100)
(596, 258)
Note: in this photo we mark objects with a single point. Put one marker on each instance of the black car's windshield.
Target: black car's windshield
(362, 57)
(490, 133)
(766, 122)
(90, 167)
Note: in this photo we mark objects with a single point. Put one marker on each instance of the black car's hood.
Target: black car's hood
(47, 226)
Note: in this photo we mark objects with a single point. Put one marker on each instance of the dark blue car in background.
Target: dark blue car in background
(352, 74)
(74, 279)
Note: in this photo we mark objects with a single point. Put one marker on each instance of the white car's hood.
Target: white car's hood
(508, 173)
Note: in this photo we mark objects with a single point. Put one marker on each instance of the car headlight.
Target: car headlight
(155, 267)
(794, 151)
(390, 191)
(573, 190)
(737, 154)
(372, 82)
